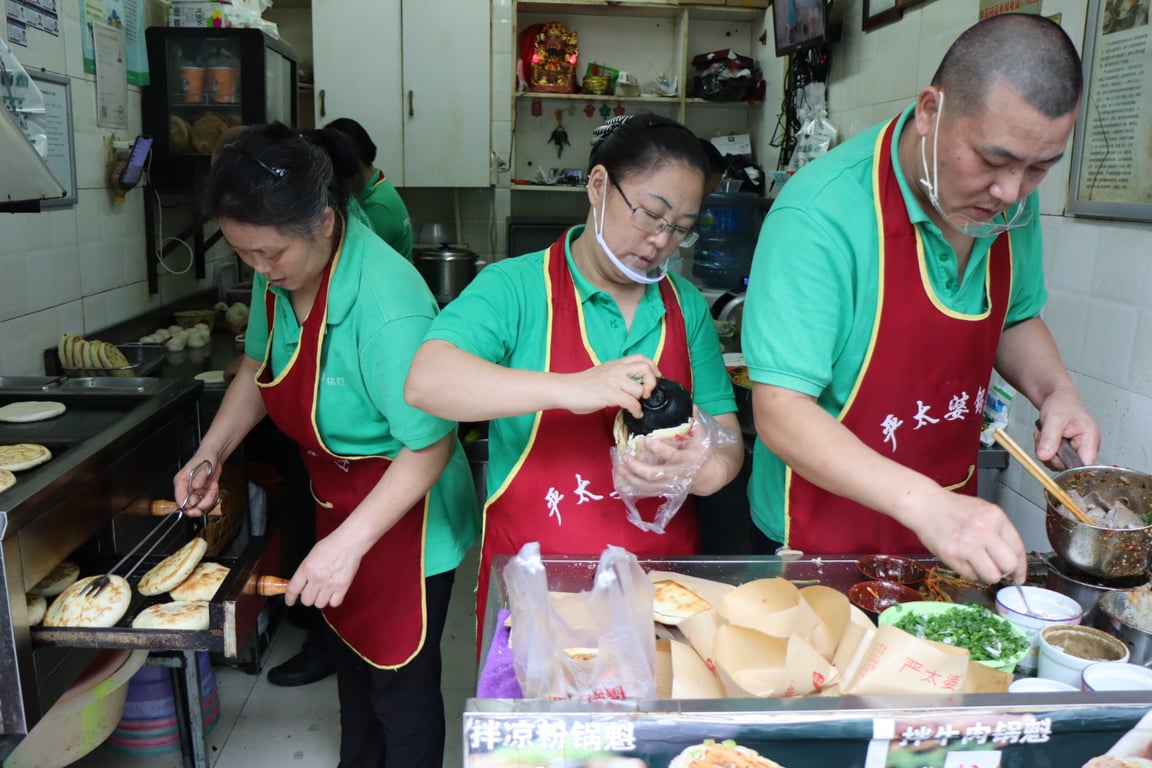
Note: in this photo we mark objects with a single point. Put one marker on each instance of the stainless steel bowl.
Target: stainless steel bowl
(1110, 553)
(1115, 618)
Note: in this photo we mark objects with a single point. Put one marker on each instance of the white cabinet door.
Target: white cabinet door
(447, 93)
(358, 72)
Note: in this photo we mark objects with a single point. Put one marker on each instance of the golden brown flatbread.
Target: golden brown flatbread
(179, 135)
(58, 579)
(673, 602)
(37, 606)
(627, 442)
(7, 480)
(105, 609)
(21, 456)
(206, 578)
(582, 654)
(206, 131)
(25, 411)
(172, 570)
(183, 614)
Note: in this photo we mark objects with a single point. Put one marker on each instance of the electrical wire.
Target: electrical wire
(159, 253)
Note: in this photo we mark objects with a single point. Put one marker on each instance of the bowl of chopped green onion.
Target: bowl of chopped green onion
(989, 639)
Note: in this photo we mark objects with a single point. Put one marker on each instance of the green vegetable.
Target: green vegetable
(986, 636)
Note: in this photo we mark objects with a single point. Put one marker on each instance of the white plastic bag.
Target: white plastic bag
(817, 134)
(600, 646)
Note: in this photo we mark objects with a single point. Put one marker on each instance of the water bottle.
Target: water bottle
(728, 226)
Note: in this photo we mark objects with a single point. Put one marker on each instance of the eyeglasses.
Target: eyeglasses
(653, 223)
(275, 170)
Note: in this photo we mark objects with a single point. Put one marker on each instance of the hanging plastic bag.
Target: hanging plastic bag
(589, 645)
(817, 134)
(22, 98)
(668, 481)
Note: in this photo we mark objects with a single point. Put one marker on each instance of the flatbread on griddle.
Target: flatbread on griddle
(182, 614)
(21, 456)
(37, 606)
(31, 410)
(206, 578)
(172, 570)
(7, 480)
(105, 609)
(58, 579)
(673, 602)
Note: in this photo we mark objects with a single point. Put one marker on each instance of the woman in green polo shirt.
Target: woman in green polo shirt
(335, 321)
(550, 346)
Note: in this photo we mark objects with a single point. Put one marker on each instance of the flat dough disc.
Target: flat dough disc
(71, 609)
(37, 606)
(31, 410)
(15, 458)
(182, 614)
(170, 572)
(58, 579)
(210, 377)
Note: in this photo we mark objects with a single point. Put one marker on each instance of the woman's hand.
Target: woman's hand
(616, 384)
(203, 493)
(326, 574)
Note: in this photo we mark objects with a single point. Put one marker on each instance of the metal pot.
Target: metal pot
(447, 270)
(1117, 619)
(1109, 553)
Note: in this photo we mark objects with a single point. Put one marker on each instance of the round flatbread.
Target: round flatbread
(31, 410)
(206, 578)
(58, 579)
(210, 377)
(626, 442)
(179, 135)
(20, 456)
(182, 614)
(37, 606)
(172, 570)
(673, 602)
(7, 480)
(104, 609)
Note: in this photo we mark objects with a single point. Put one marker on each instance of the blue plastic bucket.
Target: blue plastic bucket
(148, 725)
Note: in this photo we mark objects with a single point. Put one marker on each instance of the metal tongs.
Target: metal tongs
(166, 525)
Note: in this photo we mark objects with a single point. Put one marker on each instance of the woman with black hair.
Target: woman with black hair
(549, 346)
(335, 321)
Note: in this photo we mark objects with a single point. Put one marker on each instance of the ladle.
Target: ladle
(1045, 479)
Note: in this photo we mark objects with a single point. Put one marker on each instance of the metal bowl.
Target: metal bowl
(1109, 553)
(1115, 617)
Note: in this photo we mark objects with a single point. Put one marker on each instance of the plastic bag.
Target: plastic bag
(594, 645)
(670, 483)
(817, 134)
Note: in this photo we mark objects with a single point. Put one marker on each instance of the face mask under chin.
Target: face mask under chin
(635, 276)
(1017, 216)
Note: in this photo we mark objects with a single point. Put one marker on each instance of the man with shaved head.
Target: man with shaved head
(891, 276)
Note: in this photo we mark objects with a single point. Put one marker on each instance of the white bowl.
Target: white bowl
(1048, 608)
(1066, 650)
(1038, 685)
(1116, 676)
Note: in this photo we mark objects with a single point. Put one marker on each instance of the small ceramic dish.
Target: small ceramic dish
(897, 568)
(874, 597)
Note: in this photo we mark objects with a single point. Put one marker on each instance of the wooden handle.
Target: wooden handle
(1038, 472)
(266, 586)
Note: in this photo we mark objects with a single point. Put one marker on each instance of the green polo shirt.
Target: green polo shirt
(379, 309)
(502, 316)
(813, 289)
(387, 214)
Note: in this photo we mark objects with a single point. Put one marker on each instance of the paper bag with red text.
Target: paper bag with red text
(896, 662)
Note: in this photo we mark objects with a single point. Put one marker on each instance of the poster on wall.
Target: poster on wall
(57, 123)
(22, 15)
(126, 15)
(1112, 148)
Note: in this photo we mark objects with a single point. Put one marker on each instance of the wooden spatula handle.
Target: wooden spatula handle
(266, 586)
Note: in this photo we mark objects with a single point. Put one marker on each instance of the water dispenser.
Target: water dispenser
(728, 225)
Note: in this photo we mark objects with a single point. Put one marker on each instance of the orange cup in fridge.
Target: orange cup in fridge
(192, 84)
(223, 80)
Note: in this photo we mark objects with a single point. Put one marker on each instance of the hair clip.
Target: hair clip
(602, 132)
(276, 170)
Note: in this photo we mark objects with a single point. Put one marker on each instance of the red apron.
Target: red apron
(560, 492)
(919, 398)
(382, 616)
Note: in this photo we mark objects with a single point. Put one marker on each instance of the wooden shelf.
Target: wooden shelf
(530, 95)
(545, 188)
(602, 8)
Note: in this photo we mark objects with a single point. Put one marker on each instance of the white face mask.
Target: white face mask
(962, 223)
(654, 276)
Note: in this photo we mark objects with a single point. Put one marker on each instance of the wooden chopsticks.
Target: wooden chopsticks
(1040, 474)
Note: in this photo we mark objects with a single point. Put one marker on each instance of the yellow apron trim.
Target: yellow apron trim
(423, 602)
(930, 291)
(964, 482)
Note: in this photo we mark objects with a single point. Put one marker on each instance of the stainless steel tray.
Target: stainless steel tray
(143, 360)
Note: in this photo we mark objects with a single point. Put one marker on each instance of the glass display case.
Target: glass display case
(205, 81)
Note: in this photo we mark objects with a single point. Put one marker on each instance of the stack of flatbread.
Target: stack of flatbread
(37, 605)
(58, 579)
(21, 456)
(76, 352)
(103, 609)
(26, 411)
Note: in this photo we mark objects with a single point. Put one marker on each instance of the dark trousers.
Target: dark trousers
(761, 544)
(395, 717)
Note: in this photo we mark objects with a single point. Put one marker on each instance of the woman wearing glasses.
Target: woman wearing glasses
(336, 317)
(551, 345)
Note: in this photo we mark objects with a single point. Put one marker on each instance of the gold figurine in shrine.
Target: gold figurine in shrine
(554, 56)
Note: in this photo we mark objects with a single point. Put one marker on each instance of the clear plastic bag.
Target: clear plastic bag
(591, 645)
(669, 481)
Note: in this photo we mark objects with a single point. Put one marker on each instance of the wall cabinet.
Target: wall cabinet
(416, 75)
(646, 39)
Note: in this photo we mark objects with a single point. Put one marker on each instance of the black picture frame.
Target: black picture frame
(877, 13)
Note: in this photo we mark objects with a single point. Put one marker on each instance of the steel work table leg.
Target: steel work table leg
(186, 700)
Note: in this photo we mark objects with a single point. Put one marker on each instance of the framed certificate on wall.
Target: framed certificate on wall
(57, 124)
